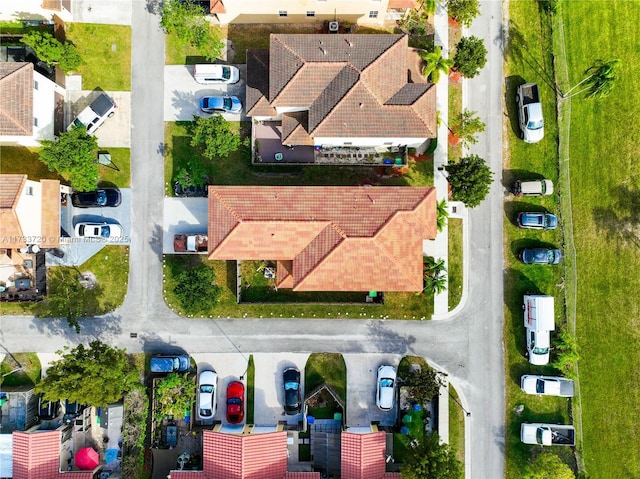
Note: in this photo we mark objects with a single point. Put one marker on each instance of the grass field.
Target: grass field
(106, 55)
(20, 369)
(326, 368)
(454, 271)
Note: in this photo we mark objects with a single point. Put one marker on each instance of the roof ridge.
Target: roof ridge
(222, 201)
(385, 251)
(276, 38)
(344, 96)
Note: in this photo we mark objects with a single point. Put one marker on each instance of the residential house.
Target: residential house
(327, 238)
(27, 105)
(355, 98)
(303, 11)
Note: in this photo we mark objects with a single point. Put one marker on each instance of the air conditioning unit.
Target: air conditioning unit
(333, 27)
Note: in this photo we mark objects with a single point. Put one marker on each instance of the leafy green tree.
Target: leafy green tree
(424, 384)
(96, 375)
(470, 57)
(463, 11)
(431, 460)
(174, 396)
(548, 466)
(214, 137)
(435, 276)
(434, 64)
(466, 126)
(196, 289)
(565, 347)
(469, 179)
(599, 80)
(48, 49)
(66, 297)
(73, 154)
(187, 20)
(193, 175)
(442, 214)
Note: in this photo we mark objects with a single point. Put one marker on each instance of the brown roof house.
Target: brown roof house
(338, 95)
(27, 105)
(329, 238)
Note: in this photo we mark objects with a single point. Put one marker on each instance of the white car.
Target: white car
(207, 388)
(99, 230)
(547, 385)
(386, 387)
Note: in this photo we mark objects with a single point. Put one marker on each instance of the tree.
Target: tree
(424, 384)
(434, 64)
(469, 179)
(548, 466)
(174, 395)
(196, 289)
(466, 126)
(442, 214)
(214, 137)
(73, 153)
(193, 175)
(435, 276)
(470, 57)
(566, 353)
(599, 80)
(187, 20)
(96, 375)
(66, 297)
(463, 11)
(431, 460)
(48, 49)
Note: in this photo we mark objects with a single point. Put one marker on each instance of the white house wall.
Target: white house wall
(414, 142)
(29, 212)
(44, 107)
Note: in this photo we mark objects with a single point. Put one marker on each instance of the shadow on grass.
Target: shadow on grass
(511, 85)
(510, 176)
(327, 368)
(518, 50)
(622, 220)
(519, 244)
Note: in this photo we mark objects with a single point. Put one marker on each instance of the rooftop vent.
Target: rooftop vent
(333, 27)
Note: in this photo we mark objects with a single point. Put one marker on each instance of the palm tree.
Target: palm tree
(434, 64)
(599, 81)
(442, 214)
(435, 276)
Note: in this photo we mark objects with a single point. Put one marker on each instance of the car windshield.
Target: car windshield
(551, 256)
(234, 401)
(227, 103)
(540, 386)
(206, 388)
(386, 383)
(540, 350)
(535, 125)
(291, 386)
(205, 412)
(101, 197)
(226, 73)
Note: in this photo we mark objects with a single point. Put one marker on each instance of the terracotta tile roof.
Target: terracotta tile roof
(37, 456)
(302, 475)
(50, 231)
(187, 475)
(284, 278)
(293, 129)
(337, 238)
(402, 4)
(11, 187)
(391, 475)
(16, 101)
(217, 6)
(363, 456)
(351, 85)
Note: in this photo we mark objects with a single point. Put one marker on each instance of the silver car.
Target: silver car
(386, 387)
(207, 388)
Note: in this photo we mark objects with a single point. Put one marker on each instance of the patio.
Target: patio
(22, 275)
(268, 147)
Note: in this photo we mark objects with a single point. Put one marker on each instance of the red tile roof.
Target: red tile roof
(37, 456)
(363, 455)
(16, 101)
(336, 238)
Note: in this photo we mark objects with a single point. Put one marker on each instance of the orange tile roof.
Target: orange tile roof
(16, 101)
(50, 229)
(217, 6)
(11, 187)
(336, 238)
(402, 4)
(37, 456)
(363, 456)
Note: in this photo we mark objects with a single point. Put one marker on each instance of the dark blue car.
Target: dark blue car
(163, 363)
(536, 220)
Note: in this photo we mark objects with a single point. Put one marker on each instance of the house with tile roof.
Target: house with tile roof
(328, 238)
(354, 98)
(27, 105)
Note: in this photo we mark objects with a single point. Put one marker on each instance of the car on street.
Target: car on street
(99, 230)
(47, 410)
(109, 197)
(235, 402)
(168, 363)
(292, 391)
(220, 104)
(540, 256)
(547, 385)
(386, 387)
(207, 388)
(536, 220)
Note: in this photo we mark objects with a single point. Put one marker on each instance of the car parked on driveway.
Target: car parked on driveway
(292, 391)
(99, 230)
(94, 199)
(540, 256)
(207, 389)
(190, 191)
(536, 220)
(235, 402)
(547, 385)
(386, 387)
(220, 104)
(208, 73)
(166, 363)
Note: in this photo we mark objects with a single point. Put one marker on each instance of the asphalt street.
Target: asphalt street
(468, 347)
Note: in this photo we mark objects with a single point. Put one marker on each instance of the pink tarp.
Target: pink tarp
(87, 459)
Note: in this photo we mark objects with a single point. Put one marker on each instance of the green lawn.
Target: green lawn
(120, 174)
(456, 425)
(326, 368)
(26, 367)
(454, 271)
(251, 389)
(106, 54)
(177, 53)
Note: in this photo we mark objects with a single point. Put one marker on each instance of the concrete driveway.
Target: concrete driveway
(183, 215)
(115, 131)
(182, 93)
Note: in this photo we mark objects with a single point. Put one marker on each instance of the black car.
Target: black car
(292, 392)
(110, 197)
(190, 191)
(47, 410)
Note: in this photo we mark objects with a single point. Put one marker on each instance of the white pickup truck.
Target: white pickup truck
(530, 113)
(547, 434)
(547, 385)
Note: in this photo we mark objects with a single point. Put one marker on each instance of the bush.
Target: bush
(174, 396)
(196, 289)
(463, 11)
(469, 179)
(48, 49)
(470, 57)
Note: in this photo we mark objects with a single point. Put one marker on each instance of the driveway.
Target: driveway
(115, 131)
(183, 215)
(182, 93)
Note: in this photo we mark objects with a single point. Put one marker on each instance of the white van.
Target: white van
(93, 116)
(533, 188)
(211, 74)
(539, 321)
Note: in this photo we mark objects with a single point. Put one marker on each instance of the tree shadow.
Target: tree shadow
(510, 176)
(511, 85)
(621, 222)
(386, 340)
(517, 50)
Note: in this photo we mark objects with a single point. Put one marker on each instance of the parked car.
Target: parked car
(235, 402)
(292, 391)
(530, 113)
(547, 385)
(165, 363)
(540, 256)
(536, 220)
(386, 387)
(101, 197)
(207, 389)
(207, 73)
(533, 188)
(220, 104)
(71, 411)
(99, 230)
(190, 191)
(47, 409)
(93, 116)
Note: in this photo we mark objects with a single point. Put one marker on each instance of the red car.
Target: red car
(235, 402)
